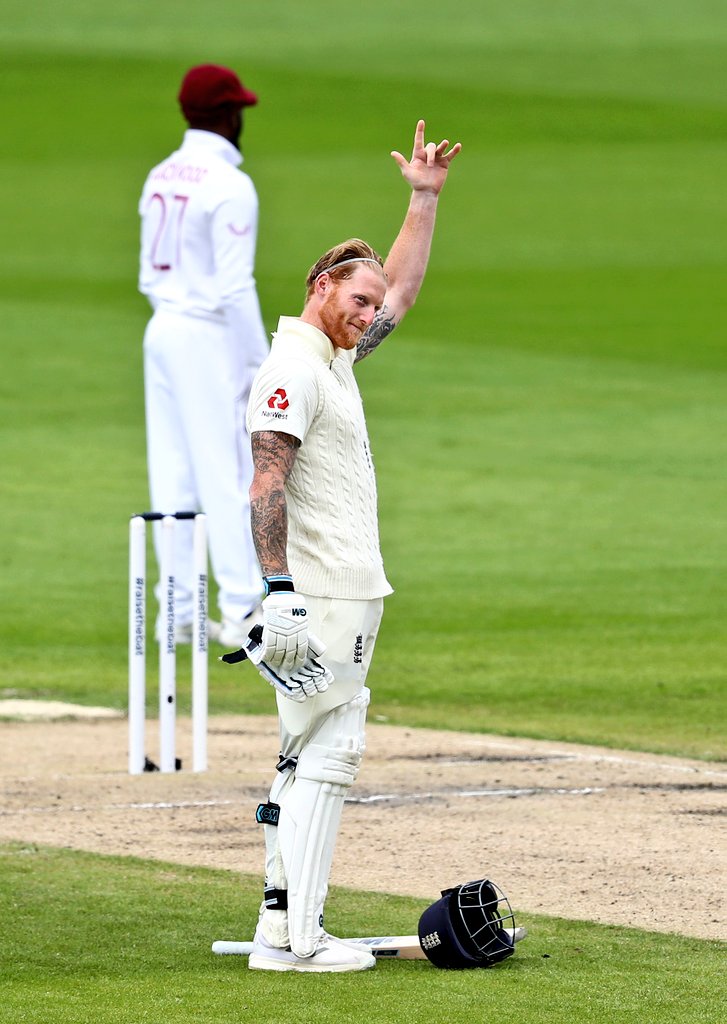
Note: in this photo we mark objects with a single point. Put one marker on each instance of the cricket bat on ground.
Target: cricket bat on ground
(383, 947)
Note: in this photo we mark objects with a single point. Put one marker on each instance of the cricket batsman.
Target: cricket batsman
(315, 528)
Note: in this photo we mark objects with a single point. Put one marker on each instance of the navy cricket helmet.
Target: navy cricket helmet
(472, 925)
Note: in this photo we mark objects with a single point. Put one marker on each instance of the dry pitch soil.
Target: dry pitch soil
(580, 832)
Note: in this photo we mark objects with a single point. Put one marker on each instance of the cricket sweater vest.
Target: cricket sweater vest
(307, 388)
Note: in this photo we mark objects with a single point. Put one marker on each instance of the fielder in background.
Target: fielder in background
(204, 343)
(314, 521)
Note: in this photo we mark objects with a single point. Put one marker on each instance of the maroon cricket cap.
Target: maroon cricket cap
(210, 85)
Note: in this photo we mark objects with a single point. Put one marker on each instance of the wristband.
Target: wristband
(278, 584)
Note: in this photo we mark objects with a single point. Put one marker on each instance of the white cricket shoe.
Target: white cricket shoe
(183, 631)
(234, 634)
(331, 956)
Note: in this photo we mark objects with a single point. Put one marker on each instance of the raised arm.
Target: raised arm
(406, 263)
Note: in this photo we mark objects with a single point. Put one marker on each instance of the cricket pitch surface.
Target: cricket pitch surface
(579, 832)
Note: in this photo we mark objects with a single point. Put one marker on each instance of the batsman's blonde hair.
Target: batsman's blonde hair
(341, 262)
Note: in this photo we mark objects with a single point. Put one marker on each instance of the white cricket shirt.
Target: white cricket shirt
(307, 388)
(199, 217)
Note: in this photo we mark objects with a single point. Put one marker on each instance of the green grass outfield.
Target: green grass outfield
(550, 425)
(550, 429)
(125, 941)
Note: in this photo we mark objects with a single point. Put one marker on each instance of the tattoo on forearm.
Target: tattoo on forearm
(273, 456)
(269, 519)
(383, 324)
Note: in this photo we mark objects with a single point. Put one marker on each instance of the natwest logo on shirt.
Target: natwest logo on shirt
(278, 399)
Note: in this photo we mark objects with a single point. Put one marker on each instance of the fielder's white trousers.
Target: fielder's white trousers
(197, 381)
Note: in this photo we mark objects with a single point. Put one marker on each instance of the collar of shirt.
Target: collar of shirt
(213, 143)
(294, 329)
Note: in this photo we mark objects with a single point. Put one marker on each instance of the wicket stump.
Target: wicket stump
(168, 761)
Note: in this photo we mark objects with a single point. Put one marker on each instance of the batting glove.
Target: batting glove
(312, 676)
(285, 627)
(305, 681)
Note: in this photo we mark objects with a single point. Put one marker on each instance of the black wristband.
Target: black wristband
(278, 584)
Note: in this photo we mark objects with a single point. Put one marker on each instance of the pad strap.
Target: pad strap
(267, 814)
(275, 899)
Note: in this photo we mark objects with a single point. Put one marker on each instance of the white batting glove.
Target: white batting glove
(305, 681)
(285, 630)
(312, 676)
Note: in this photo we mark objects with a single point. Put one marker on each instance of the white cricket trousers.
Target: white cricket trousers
(325, 735)
(349, 630)
(197, 381)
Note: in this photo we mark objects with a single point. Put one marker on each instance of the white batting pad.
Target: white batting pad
(310, 813)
